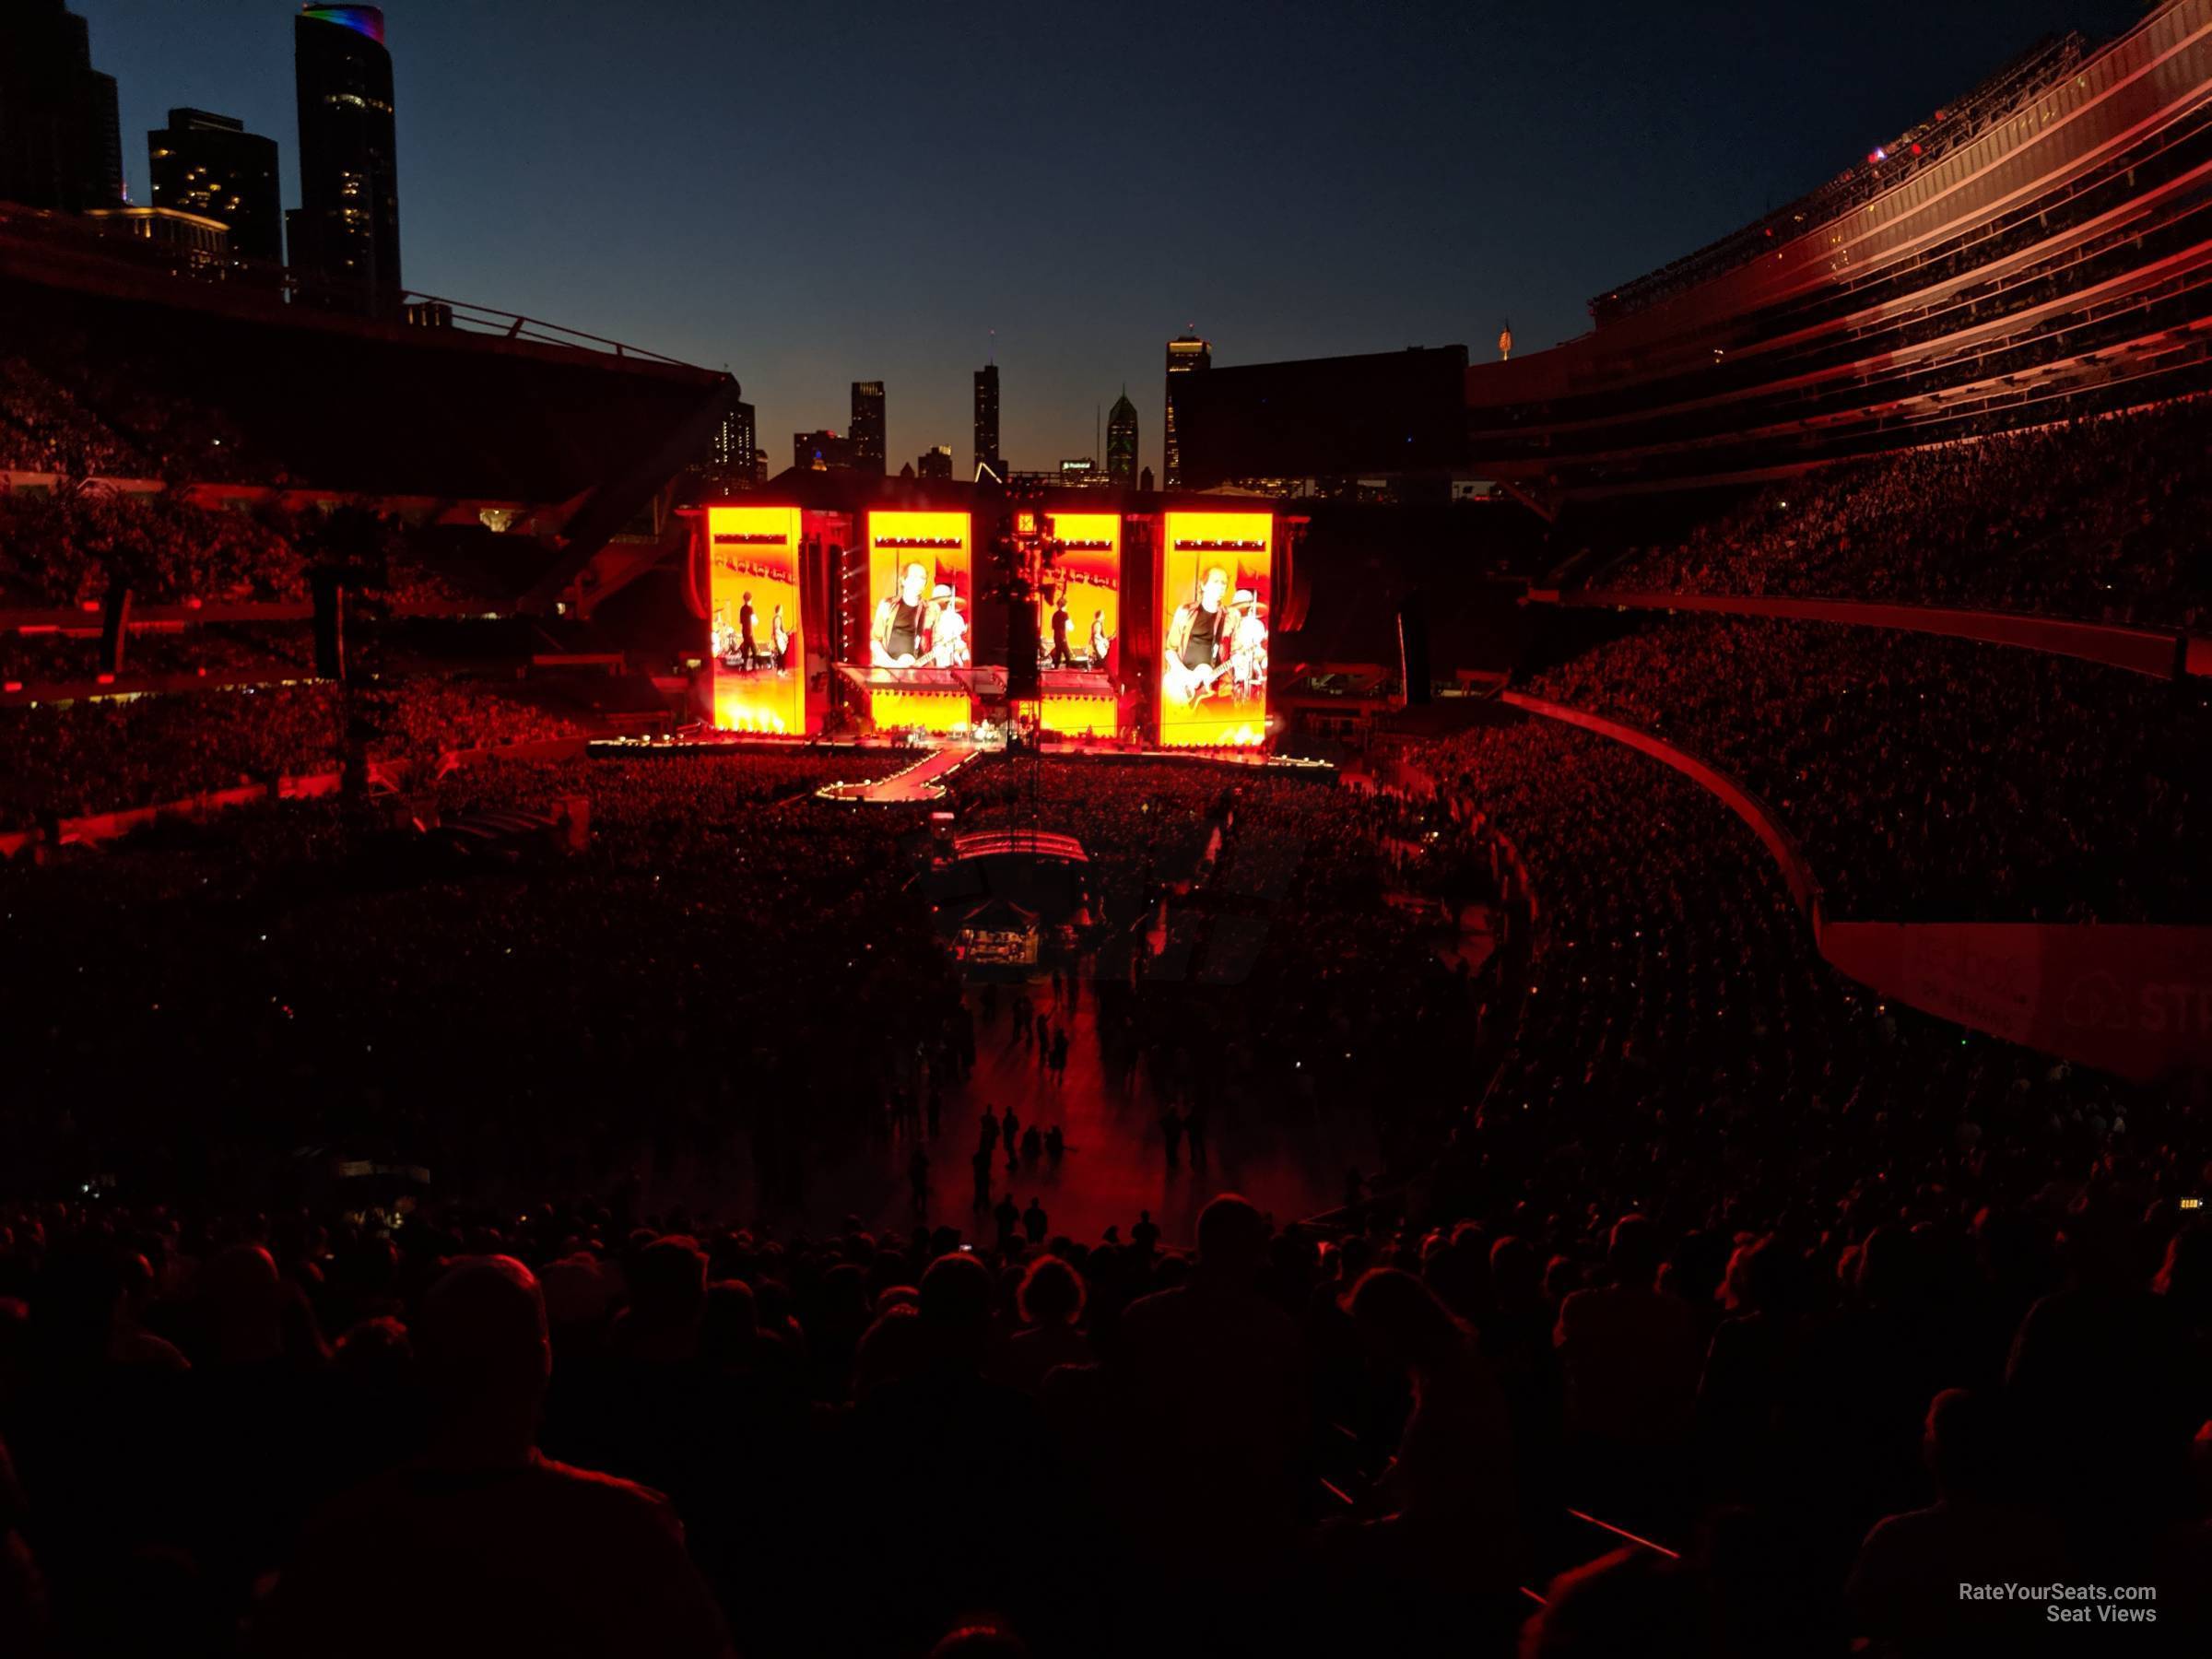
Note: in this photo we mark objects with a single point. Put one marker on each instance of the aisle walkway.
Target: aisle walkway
(1291, 1164)
(922, 783)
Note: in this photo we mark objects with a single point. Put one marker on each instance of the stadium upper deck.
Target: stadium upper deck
(2041, 250)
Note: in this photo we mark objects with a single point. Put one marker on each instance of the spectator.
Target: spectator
(483, 1541)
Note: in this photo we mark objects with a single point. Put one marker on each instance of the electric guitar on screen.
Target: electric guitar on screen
(1186, 686)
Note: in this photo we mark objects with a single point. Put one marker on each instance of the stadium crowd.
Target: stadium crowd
(1933, 779)
(2095, 520)
(64, 548)
(72, 409)
(118, 754)
(237, 654)
(1701, 1241)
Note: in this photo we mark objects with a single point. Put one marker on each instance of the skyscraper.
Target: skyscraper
(1187, 354)
(733, 444)
(1121, 442)
(346, 230)
(986, 420)
(867, 426)
(727, 463)
(61, 145)
(934, 462)
(210, 165)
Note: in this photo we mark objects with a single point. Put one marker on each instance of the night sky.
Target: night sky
(812, 195)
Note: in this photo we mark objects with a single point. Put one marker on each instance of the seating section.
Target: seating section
(1934, 779)
(1699, 1232)
(2098, 521)
(65, 549)
(115, 753)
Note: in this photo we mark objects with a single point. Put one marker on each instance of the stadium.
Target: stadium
(1617, 1068)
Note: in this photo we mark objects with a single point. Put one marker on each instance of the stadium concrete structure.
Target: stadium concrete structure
(2038, 249)
(562, 450)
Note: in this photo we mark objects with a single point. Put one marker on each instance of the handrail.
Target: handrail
(68, 234)
(514, 325)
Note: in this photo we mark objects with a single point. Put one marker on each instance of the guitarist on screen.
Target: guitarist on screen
(1200, 640)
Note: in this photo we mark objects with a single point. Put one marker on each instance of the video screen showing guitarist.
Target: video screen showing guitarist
(905, 623)
(1201, 643)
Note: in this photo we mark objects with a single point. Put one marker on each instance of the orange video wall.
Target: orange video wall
(760, 661)
(920, 603)
(1214, 574)
(1079, 622)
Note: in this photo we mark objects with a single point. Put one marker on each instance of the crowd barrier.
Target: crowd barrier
(2135, 1001)
(2159, 652)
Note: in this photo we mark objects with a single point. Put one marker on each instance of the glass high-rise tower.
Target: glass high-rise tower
(345, 230)
(1121, 442)
(1187, 354)
(867, 429)
(986, 420)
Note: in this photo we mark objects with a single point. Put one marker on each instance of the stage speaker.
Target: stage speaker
(1413, 647)
(330, 624)
(1021, 650)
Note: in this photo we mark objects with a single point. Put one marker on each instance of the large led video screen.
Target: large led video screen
(1214, 574)
(917, 646)
(918, 584)
(1080, 624)
(760, 661)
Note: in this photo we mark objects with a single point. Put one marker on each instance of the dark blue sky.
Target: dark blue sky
(814, 195)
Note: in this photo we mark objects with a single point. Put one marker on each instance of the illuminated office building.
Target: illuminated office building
(210, 165)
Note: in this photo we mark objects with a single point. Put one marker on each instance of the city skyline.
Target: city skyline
(1447, 183)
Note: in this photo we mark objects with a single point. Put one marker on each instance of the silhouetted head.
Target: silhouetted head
(1051, 1293)
(731, 1322)
(1963, 1442)
(955, 1303)
(1632, 1251)
(1758, 1276)
(1232, 1238)
(1516, 1271)
(482, 1339)
(244, 1300)
(669, 1282)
